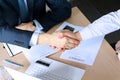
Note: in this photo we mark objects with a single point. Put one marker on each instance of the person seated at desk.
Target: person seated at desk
(16, 15)
(102, 26)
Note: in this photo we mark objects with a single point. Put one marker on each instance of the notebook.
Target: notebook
(48, 69)
(13, 50)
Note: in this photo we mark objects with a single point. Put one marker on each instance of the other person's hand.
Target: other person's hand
(68, 33)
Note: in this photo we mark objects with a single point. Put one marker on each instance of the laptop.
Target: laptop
(16, 75)
(48, 69)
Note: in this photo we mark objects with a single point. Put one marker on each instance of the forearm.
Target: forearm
(102, 26)
(43, 38)
(15, 36)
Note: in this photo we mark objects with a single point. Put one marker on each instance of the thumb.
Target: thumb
(17, 27)
(61, 35)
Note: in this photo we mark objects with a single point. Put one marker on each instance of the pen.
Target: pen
(6, 61)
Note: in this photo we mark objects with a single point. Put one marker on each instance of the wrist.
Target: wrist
(43, 38)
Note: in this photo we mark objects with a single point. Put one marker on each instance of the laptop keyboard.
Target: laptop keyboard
(47, 74)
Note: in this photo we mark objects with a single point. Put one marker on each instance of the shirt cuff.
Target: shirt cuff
(34, 38)
(38, 30)
(38, 26)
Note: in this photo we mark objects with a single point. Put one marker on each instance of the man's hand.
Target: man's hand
(59, 40)
(68, 33)
(26, 26)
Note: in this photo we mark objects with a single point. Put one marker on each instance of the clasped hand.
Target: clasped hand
(64, 40)
(61, 40)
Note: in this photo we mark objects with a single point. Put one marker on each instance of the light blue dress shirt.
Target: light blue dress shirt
(38, 30)
(36, 33)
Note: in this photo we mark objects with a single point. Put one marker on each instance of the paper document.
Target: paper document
(38, 52)
(86, 51)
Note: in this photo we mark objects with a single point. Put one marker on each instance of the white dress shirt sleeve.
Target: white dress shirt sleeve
(38, 30)
(102, 26)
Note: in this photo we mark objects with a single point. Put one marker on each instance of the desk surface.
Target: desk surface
(105, 67)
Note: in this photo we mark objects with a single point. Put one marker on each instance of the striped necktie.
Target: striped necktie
(23, 10)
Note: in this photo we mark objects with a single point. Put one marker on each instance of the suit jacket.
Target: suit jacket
(9, 18)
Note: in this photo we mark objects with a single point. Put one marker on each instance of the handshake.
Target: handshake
(61, 40)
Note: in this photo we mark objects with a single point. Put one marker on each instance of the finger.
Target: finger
(70, 46)
(18, 27)
(54, 47)
(73, 41)
(61, 35)
(64, 33)
(61, 50)
(69, 34)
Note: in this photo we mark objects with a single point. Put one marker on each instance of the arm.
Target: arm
(8, 32)
(58, 40)
(102, 26)
(14, 36)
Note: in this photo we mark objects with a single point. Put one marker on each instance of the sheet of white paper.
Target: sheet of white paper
(37, 52)
(86, 52)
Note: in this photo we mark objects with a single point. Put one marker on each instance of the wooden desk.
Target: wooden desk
(105, 67)
(20, 58)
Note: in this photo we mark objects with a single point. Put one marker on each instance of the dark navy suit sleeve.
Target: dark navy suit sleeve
(60, 11)
(15, 36)
(8, 21)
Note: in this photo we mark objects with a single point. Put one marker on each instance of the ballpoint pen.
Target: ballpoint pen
(6, 61)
